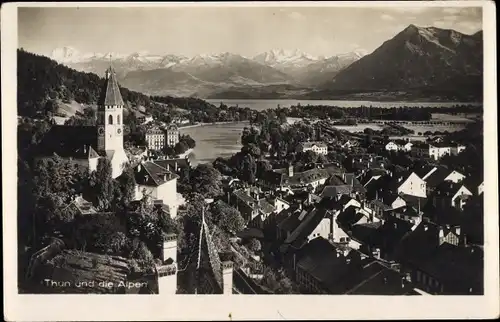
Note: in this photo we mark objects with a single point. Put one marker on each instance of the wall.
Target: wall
(118, 162)
(455, 177)
(413, 186)
(399, 202)
(167, 285)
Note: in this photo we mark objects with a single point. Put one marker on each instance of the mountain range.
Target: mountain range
(417, 61)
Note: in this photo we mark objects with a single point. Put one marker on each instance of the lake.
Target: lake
(223, 140)
(261, 105)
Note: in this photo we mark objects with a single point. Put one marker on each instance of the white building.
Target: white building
(409, 184)
(391, 146)
(318, 147)
(155, 138)
(172, 135)
(436, 151)
(159, 184)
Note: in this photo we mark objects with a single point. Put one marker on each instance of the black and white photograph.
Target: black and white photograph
(251, 150)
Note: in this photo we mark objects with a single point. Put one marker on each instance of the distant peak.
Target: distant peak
(412, 28)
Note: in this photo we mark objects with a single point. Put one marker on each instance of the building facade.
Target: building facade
(155, 139)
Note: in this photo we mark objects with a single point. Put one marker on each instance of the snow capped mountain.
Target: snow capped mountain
(284, 57)
(70, 55)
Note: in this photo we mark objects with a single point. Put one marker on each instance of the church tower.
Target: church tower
(110, 123)
(110, 115)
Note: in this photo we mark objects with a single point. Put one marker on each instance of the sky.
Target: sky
(319, 31)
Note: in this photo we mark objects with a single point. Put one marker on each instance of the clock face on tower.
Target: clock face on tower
(119, 131)
(100, 131)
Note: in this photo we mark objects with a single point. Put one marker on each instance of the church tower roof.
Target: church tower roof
(110, 95)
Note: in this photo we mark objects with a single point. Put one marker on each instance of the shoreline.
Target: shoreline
(213, 123)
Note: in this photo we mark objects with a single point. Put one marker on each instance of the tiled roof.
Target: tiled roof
(110, 94)
(294, 220)
(169, 164)
(261, 204)
(151, 174)
(333, 191)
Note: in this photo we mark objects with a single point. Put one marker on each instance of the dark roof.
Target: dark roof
(447, 188)
(455, 265)
(388, 197)
(320, 259)
(151, 174)
(349, 217)
(110, 94)
(351, 180)
(376, 279)
(333, 191)
(79, 142)
(405, 211)
(414, 201)
(473, 182)
(280, 176)
(306, 227)
(293, 221)
(398, 179)
(332, 203)
(260, 204)
(367, 233)
(335, 180)
(437, 177)
(170, 163)
(424, 170)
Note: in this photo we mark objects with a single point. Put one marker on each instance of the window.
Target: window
(110, 119)
(118, 119)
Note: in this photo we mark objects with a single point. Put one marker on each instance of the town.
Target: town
(306, 207)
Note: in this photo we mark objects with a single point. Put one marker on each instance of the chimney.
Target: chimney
(175, 166)
(169, 248)
(227, 277)
(290, 170)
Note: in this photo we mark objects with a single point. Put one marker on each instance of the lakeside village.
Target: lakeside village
(303, 208)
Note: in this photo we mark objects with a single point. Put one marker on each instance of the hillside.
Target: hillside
(42, 83)
(430, 59)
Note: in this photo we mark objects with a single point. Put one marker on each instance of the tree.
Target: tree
(180, 147)
(262, 167)
(227, 217)
(254, 245)
(248, 169)
(206, 180)
(309, 157)
(127, 183)
(104, 184)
